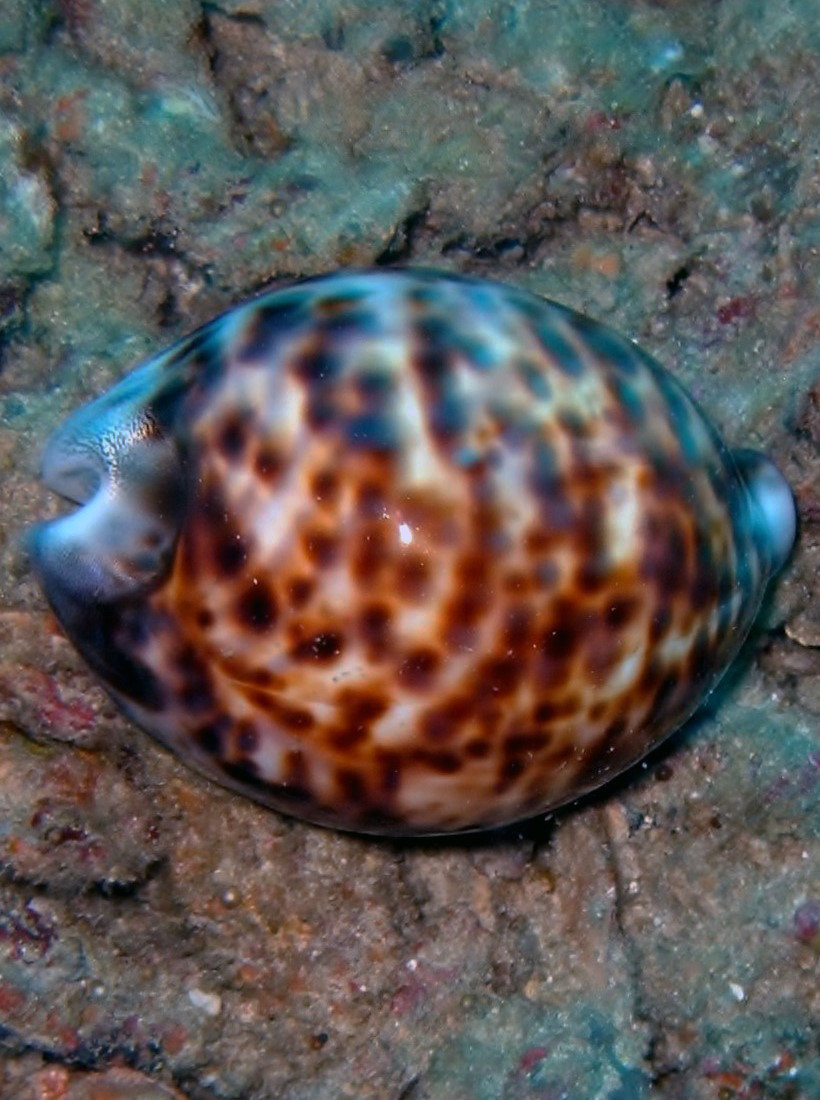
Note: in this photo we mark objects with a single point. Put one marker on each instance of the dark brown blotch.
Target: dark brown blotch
(343, 314)
(389, 766)
(602, 651)
(370, 554)
(204, 618)
(245, 772)
(413, 577)
(553, 709)
(509, 770)
(247, 738)
(560, 641)
(431, 352)
(524, 744)
(266, 325)
(323, 648)
(621, 613)
(362, 707)
(463, 612)
(418, 668)
(374, 627)
(442, 722)
(196, 687)
(704, 588)
(292, 718)
(665, 691)
(268, 464)
(348, 737)
(211, 736)
(661, 621)
(473, 591)
(554, 498)
(321, 546)
(351, 786)
(232, 437)
(325, 486)
(665, 558)
(517, 633)
(230, 555)
(445, 763)
(499, 676)
(256, 607)
(371, 499)
(615, 730)
(299, 590)
(212, 538)
(317, 365)
(295, 770)
(699, 661)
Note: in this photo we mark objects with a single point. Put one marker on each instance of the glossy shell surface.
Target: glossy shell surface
(404, 552)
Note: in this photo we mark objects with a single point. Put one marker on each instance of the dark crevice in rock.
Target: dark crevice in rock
(631, 948)
(248, 140)
(401, 245)
(16, 294)
(246, 17)
(126, 889)
(158, 245)
(410, 1090)
(676, 281)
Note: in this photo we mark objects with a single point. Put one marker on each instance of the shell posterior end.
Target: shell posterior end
(773, 503)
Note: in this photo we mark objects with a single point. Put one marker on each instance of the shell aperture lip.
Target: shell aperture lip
(404, 552)
(124, 471)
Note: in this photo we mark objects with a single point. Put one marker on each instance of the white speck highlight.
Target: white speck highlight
(405, 534)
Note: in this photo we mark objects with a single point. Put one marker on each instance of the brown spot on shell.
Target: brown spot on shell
(444, 763)
(325, 487)
(211, 736)
(232, 438)
(352, 786)
(299, 591)
(499, 676)
(418, 668)
(442, 722)
(524, 743)
(247, 738)
(230, 554)
(346, 738)
(510, 769)
(323, 647)
(268, 464)
(413, 577)
(374, 629)
(370, 555)
(256, 607)
(321, 546)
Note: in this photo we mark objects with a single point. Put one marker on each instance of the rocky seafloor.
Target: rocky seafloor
(656, 164)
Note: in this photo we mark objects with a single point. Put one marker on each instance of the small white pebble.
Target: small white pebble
(738, 991)
(209, 1003)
